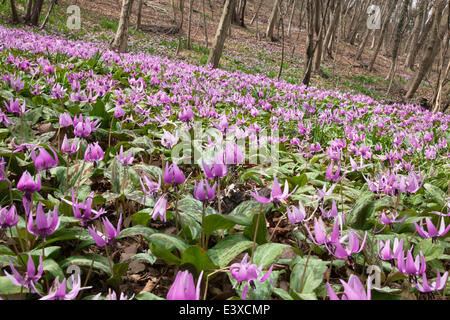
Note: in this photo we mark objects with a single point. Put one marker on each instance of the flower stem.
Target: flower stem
(109, 261)
(256, 233)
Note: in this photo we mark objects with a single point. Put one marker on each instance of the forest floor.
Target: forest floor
(246, 49)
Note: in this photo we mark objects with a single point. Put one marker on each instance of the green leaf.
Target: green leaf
(144, 295)
(53, 268)
(168, 241)
(430, 250)
(85, 261)
(119, 269)
(198, 257)
(282, 294)
(137, 231)
(7, 287)
(217, 222)
(268, 253)
(299, 181)
(262, 233)
(149, 258)
(228, 248)
(312, 275)
(436, 193)
(161, 252)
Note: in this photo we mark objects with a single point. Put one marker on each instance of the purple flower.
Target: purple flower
(217, 170)
(8, 218)
(184, 288)
(233, 154)
(15, 107)
(199, 191)
(58, 291)
(113, 296)
(353, 245)
(333, 213)
(320, 233)
(297, 214)
(168, 140)
(173, 174)
(150, 187)
(160, 209)
(57, 92)
(93, 153)
(84, 128)
(28, 185)
(248, 272)
(30, 277)
(65, 120)
(353, 290)
(83, 210)
(432, 231)
(111, 233)
(44, 160)
(186, 114)
(128, 160)
(386, 221)
(435, 285)
(386, 253)
(45, 225)
(69, 149)
(411, 266)
(118, 112)
(276, 195)
(329, 174)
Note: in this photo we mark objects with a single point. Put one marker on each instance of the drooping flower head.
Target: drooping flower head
(246, 272)
(184, 288)
(111, 233)
(45, 224)
(58, 291)
(353, 290)
(30, 277)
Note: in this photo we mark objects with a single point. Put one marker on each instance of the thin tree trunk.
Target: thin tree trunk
(221, 34)
(191, 2)
(332, 28)
(272, 20)
(256, 12)
(398, 34)
(27, 16)
(36, 12)
(139, 15)
(47, 17)
(204, 24)
(14, 16)
(290, 18)
(430, 54)
(120, 42)
(414, 49)
(282, 43)
(180, 27)
(383, 34)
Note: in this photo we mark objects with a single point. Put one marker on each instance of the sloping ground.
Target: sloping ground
(246, 52)
(339, 153)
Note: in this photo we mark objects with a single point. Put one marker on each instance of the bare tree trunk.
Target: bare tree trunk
(221, 34)
(415, 33)
(318, 51)
(180, 26)
(14, 16)
(47, 17)
(191, 2)
(290, 18)
(272, 20)
(27, 16)
(430, 54)
(36, 12)
(120, 42)
(363, 45)
(204, 24)
(383, 34)
(282, 42)
(398, 34)
(139, 15)
(414, 50)
(332, 28)
(256, 12)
